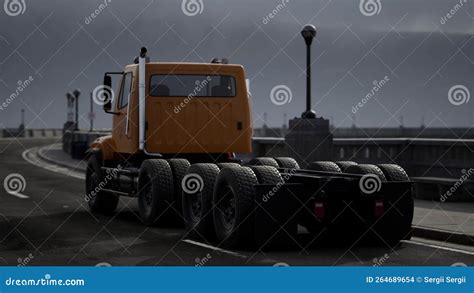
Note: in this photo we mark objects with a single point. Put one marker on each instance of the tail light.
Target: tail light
(378, 208)
(319, 209)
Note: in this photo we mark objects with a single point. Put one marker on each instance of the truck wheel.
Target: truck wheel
(395, 225)
(267, 175)
(98, 201)
(178, 169)
(343, 165)
(223, 165)
(234, 196)
(363, 169)
(394, 172)
(325, 166)
(198, 187)
(288, 163)
(155, 190)
(263, 161)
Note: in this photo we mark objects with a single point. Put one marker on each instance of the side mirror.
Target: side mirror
(107, 93)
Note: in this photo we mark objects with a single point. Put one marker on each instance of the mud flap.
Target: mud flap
(276, 215)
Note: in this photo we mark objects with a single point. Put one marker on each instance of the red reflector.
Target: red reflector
(319, 209)
(379, 208)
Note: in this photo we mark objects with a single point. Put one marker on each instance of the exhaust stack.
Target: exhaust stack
(141, 99)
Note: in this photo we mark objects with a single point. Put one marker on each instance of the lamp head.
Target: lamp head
(308, 33)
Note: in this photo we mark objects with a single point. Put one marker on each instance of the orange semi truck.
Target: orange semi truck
(176, 129)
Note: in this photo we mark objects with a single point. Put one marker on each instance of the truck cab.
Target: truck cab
(190, 109)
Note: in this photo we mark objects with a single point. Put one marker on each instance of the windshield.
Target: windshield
(181, 85)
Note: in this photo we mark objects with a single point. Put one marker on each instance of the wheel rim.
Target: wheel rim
(196, 206)
(227, 208)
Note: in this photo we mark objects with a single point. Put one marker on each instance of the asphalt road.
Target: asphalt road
(48, 223)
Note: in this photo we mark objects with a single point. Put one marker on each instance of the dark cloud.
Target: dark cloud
(62, 49)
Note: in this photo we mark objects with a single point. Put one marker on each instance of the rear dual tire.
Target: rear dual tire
(197, 198)
(278, 162)
(395, 224)
(234, 206)
(155, 191)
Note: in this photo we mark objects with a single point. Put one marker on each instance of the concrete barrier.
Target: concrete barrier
(76, 143)
(436, 165)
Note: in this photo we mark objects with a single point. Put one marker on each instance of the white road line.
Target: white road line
(439, 247)
(30, 156)
(214, 248)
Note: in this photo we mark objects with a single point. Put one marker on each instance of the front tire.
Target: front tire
(98, 200)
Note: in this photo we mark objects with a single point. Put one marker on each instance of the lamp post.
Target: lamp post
(77, 93)
(91, 113)
(23, 117)
(308, 33)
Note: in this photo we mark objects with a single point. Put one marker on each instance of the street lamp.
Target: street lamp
(77, 93)
(308, 33)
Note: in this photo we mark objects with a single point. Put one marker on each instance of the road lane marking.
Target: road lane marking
(439, 247)
(30, 156)
(214, 248)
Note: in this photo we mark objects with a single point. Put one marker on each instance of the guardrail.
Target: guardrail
(30, 133)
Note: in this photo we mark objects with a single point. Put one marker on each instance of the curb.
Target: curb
(443, 235)
(76, 168)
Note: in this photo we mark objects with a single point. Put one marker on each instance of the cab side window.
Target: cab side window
(125, 90)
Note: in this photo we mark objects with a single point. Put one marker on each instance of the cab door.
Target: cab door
(122, 128)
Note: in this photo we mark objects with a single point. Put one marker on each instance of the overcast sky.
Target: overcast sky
(420, 54)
